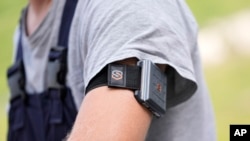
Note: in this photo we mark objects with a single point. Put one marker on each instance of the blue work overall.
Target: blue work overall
(47, 116)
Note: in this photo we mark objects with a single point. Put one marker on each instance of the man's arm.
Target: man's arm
(111, 114)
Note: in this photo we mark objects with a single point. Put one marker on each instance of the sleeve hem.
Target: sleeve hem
(181, 82)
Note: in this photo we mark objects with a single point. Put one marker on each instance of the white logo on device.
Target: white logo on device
(117, 75)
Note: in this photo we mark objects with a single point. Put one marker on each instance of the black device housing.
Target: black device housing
(153, 90)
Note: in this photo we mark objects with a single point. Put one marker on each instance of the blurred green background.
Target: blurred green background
(227, 82)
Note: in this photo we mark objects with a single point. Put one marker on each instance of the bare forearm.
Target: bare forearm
(111, 114)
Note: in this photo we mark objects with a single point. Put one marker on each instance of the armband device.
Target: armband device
(146, 79)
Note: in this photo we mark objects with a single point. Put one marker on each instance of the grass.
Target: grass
(230, 91)
(207, 10)
(228, 83)
(9, 15)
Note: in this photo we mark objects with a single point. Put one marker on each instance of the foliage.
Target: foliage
(230, 93)
(207, 10)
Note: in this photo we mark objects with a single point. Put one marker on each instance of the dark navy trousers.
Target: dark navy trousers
(42, 117)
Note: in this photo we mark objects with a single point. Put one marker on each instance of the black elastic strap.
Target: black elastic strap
(117, 76)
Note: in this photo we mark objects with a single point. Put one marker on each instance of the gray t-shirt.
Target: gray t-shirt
(163, 31)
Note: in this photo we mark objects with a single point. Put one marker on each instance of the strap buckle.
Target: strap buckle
(57, 67)
(16, 80)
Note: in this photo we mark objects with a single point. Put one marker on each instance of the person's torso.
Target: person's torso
(36, 47)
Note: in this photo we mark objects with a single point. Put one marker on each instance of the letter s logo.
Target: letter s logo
(117, 75)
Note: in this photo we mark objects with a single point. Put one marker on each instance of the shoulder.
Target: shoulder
(161, 13)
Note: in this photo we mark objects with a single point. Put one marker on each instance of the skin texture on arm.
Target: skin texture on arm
(111, 114)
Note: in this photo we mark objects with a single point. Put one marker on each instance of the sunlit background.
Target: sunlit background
(224, 40)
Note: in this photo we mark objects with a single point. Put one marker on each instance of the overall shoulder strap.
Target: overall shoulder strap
(58, 54)
(68, 14)
(19, 52)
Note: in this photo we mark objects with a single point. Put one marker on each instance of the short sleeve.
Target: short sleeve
(116, 30)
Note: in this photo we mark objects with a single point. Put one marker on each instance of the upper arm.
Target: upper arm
(111, 114)
(118, 32)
